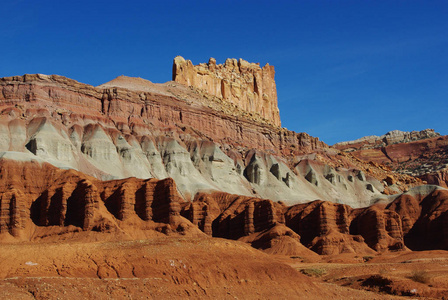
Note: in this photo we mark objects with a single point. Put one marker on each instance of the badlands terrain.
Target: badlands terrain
(191, 188)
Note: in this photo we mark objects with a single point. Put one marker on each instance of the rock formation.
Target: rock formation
(163, 176)
(239, 82)
(425, 217)
(390, 138)
(423, 154)
(38, 195)
(381, 228)
(132, 127)
(437, 177)
(39, 200)
(134, 158)
(325, 227)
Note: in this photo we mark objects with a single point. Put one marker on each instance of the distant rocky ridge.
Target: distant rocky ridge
(390, 138)
(244, 84)
(423, 154)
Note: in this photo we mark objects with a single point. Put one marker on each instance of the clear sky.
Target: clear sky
(344, 69)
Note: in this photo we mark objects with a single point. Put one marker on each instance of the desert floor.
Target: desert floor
(177, 267)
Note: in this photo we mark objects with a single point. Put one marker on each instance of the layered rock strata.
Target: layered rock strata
(35, 196)
(239, 82)
(329, 228)
(160, 131)
(423, 154)
(390, 138)
(40, 201)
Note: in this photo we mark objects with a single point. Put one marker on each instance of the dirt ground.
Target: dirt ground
(416, 275)
(205, 268)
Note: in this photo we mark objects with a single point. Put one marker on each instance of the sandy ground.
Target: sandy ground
(422, 275)
(178, 268)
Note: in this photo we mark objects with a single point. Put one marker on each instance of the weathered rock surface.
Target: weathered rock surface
(425, 217)
(422, 154)
(131, 127)
(134, 160)
(36, 196)
(239, 82)
(390, 138)
(39, 201)
(325, 227)
(191, 157)
(381, 228)
(439, 177)
(329, 228)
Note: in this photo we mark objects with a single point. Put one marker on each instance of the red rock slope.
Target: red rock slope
(132, 127)
(422, 154)
(39, 201)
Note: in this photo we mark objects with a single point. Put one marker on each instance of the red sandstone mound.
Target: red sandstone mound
(425, 219)
(329, 228)
(439, 177)
(279, 240)
(324, 227)
(40, 201)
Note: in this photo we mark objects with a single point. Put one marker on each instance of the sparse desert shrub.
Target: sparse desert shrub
(377, 280)
(367, 258)
(378, 283)
(314, 272)
(420, 276)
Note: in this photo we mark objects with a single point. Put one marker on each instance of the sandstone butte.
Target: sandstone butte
(239, 82)
(155, 173)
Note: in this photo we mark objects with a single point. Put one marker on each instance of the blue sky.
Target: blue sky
(344, 69)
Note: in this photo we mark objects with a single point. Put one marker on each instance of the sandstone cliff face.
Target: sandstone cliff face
(329, 228)
(439, 177)
(324, 227)
(40, 201)
(381, 228)
(160, 131)
(241, 83)
(425, 217)
(133, 159)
